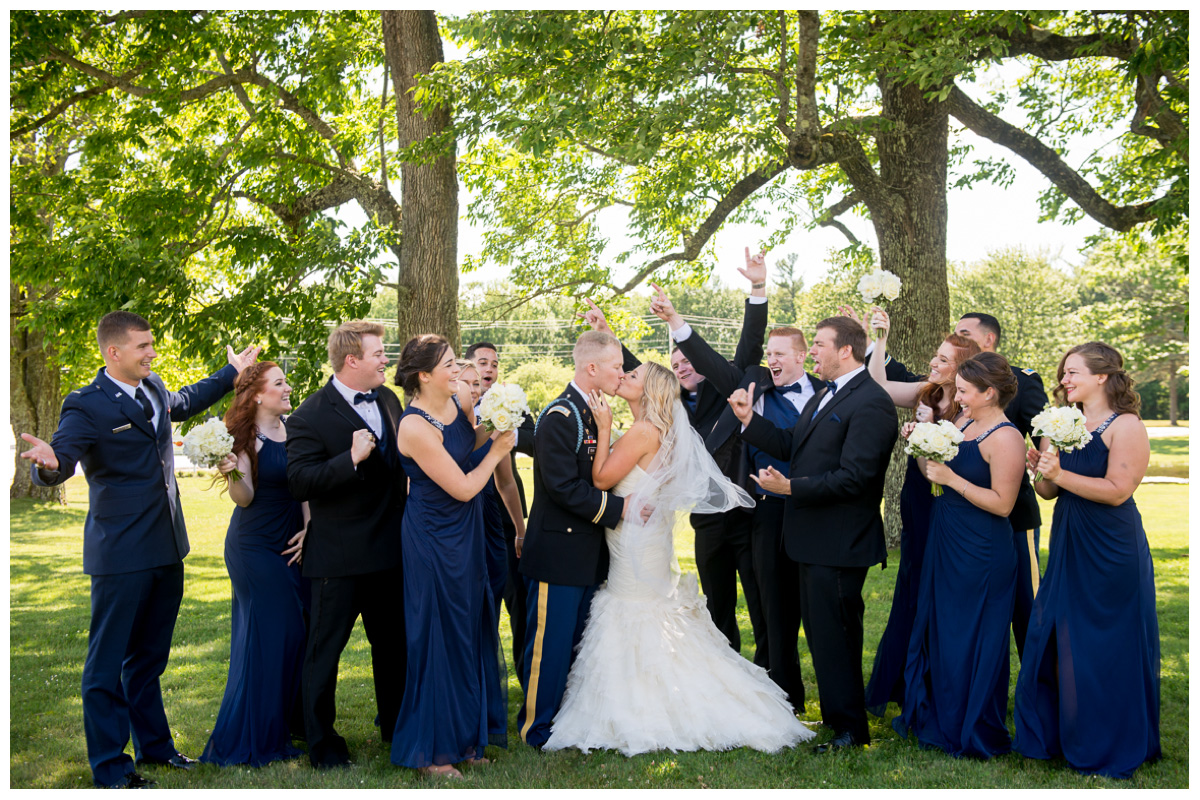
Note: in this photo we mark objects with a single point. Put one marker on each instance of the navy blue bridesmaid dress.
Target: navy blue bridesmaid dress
(956, 676)
(496, 551)
(270, 600)
(1088, 689)
(449, 684)
(887, 673)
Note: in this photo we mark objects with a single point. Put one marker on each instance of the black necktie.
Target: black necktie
(366, 397)
(141, 397)
(796, 387)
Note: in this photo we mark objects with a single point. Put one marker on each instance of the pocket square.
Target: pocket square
(122, 428)
(835, 418)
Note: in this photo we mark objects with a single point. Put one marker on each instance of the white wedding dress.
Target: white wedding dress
(653, 672)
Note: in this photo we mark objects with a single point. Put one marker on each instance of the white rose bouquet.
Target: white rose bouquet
(208, 443)
(1065, 427)
(504, 407)
(936, 441)
(879, 286)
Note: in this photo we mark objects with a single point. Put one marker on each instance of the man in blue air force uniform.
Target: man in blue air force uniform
(134, 539)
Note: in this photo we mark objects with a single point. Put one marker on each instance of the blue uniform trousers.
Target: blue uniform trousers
(556, 618)
(129, 642)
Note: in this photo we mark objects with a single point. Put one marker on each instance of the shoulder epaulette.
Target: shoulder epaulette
(559, 410)
(91, 387)
(1028, 371)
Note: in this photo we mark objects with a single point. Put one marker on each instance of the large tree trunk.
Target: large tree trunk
(911, 227)
(33, 394)
(428, 281)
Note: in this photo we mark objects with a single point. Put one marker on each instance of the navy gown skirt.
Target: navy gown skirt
(1088, 690)
(887, 673)
(270, 600)
(956, 677)
(444, 716)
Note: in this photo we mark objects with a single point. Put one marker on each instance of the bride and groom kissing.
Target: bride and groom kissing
(622, 665)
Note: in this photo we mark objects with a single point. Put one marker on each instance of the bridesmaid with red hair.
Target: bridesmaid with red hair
(270, 599)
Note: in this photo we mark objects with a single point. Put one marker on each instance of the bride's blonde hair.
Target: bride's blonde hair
(660, 392)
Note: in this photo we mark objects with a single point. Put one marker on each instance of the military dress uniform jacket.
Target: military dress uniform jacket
(134, 520)
(564, 540)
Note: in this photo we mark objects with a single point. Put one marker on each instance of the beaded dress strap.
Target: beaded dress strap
(990, 430)
(441, 426)
(261, 437)
(1104, 425)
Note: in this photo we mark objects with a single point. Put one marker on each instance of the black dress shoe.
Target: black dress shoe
(839, 742)
(178, 761)
(131, 780)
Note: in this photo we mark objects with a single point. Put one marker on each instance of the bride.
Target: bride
(653, 672)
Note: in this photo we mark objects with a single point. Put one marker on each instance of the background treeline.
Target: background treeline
(1132, 294)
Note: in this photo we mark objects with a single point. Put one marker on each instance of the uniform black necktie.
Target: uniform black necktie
(366, 397)
(141, 397)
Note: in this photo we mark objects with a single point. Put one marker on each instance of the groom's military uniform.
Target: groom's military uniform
(564, 558)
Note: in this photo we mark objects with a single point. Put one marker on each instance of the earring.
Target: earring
(259, 402)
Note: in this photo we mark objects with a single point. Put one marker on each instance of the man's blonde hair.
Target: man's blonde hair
(591, 345)
(346, 340)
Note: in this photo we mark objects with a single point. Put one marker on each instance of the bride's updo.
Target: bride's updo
(660, 393)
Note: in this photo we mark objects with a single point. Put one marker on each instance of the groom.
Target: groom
(564, 557)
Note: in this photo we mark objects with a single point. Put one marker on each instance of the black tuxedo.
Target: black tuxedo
(352, 550)
(723, 541)
(776, 574)
(833, 528)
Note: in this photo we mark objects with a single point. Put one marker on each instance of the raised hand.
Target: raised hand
(662, 307)
(923, 413)
(848, 311)
(594, 317)
(907, 429)
(601, 410)
(742, 403)
(880, 321)
(756, 267)
(41, 453)
(241, 360)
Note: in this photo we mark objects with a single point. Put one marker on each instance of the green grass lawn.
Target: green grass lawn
(1169, 456)
(48, 641)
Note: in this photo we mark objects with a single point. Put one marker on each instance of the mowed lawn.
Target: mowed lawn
(48, 641)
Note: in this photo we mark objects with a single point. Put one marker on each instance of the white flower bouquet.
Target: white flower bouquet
(206, 444)
(879, 286)
(936, 441)
(504, 407)
(1065, 427)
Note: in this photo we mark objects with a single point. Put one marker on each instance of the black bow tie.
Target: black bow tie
(791, 387)
(366, 397)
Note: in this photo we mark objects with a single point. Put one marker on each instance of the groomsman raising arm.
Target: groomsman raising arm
(134, 538)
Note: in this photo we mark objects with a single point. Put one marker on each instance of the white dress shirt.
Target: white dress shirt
(132, 390)
(841, 382)
(369, 411)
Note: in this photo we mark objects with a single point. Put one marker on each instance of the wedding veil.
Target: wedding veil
(683, 478)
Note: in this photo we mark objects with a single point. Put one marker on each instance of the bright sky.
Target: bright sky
(981, 219)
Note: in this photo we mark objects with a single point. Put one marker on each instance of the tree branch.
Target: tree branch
(694, 243)
(827, 218)
(1150, 107)
(1042, 43)
(1049, 163)
(58, 109)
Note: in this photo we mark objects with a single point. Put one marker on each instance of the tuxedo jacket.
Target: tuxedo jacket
(722, 439)
(564, 540)
(722, 377)
(355, 512)
(1028, 402)
(134, 520)
(837, 466)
